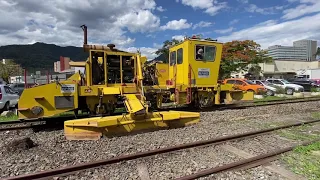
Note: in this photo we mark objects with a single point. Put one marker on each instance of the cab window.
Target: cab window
(173, 56)
(205, 53)
(180, 56)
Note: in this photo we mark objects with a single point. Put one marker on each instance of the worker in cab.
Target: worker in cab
(199, 54)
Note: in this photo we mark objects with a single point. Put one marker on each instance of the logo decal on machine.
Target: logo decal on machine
(68, 88)
(203, 72)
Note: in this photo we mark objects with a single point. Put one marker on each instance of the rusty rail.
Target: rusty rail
(242, 163)
(69, 169)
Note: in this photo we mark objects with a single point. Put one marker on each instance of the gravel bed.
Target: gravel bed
(53, 151)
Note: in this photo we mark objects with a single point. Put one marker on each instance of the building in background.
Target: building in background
(280, 69)
(63, 66)
(301, 50)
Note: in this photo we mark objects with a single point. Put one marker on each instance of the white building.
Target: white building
(301, 50)
(281, 69)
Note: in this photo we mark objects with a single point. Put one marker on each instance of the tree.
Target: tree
(9, 68)
(164, 51)
(318, 52)
(238, 55)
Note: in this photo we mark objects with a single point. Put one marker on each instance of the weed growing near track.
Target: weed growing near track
(10, 118)
(305, 160)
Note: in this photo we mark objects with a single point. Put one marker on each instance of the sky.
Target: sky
(145, 24)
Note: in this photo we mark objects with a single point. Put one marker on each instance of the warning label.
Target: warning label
(203, 72)
(68, 88)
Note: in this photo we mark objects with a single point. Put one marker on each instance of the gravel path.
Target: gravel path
(53, 151)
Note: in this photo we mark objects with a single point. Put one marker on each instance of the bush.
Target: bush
(314, 89)
(280, 90)
(260, 92)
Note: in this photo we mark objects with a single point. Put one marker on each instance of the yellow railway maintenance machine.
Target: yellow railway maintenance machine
(115, 78)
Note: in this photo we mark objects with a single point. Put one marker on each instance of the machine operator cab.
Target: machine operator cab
(109, 66)
(195, 57)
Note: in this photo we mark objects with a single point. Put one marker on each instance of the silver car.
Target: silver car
(270, 90)
(8, 98)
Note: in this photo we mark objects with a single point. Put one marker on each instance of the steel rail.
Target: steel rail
(18, 128)
(83, 166)
(243, 162)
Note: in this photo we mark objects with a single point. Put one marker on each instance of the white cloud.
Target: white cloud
(224, 31)
(306, 7)
(141, 21)
(178, 37)
(145, 51)
(211, 7)
(271, 32)
(202, 24)
(161, 9)
(58, 21)
(269, 10)
(243, 1)
(176, 25)
(233, 21)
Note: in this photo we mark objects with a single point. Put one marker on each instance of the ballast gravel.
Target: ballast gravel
(53, 151)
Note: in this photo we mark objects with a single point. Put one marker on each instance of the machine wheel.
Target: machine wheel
(269, 93)
(289, 91)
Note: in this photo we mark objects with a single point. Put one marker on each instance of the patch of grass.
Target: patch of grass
(10, 118)
(270, 98)
(304, 162)
(315, 115)
(298, 133)
(297, 136)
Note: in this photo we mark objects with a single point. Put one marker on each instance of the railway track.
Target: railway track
(56, 121)
(242, 163)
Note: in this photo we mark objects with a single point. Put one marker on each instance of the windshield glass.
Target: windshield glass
(285, 81)
(249, 82)
(265, 83)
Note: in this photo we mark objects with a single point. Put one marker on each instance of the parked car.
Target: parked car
(19, 87)
(270, 90)
(307, 84)
(245, 85)
(289, 87)
(8, 98)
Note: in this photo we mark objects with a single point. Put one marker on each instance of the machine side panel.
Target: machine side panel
(44, 100)
(162, 72)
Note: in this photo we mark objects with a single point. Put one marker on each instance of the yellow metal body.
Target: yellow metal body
(114, 77)
(49, 100)
(94, 128)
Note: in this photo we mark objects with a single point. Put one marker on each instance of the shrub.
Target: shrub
(314, 89)
(260, 92)
(280, 90)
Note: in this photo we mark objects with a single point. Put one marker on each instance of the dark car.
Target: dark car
(307, 84)
(19, 87)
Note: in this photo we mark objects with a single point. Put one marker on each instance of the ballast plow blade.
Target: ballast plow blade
(96, 127)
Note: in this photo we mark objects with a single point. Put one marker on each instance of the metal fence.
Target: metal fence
(31, 77)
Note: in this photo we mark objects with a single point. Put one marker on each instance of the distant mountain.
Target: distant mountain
(40, 55)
